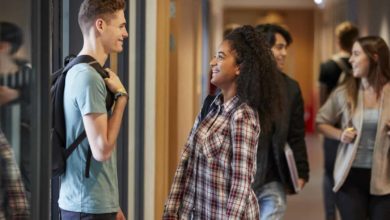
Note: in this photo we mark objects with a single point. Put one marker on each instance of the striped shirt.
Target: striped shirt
(217, 166)
(17, 80)
(21, 81)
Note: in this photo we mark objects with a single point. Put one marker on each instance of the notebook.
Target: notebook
(292, 167)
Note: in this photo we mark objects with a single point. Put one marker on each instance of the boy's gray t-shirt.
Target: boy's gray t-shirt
(85, 92)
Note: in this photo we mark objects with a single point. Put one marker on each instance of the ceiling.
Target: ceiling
(269, 4)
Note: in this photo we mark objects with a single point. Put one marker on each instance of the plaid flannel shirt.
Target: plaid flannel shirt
(217, 166)
(12, 190)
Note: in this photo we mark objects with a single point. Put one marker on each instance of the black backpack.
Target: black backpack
(206, 106)
(60, 152)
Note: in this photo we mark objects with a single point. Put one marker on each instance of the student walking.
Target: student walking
(361, 173)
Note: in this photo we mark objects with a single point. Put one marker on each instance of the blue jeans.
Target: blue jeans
(272, 201)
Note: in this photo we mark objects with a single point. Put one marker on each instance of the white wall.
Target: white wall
(131, 106)
(150, 109)
(373, 17)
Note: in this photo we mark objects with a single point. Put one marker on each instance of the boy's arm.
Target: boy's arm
(102, 131)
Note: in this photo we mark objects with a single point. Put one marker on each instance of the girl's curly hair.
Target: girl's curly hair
(258, 81)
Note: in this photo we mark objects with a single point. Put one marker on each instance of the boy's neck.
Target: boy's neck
(95, 49)
(100, 57)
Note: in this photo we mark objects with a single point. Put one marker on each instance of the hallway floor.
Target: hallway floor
(308, 205)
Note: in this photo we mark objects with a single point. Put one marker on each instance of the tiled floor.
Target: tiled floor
(307, 205)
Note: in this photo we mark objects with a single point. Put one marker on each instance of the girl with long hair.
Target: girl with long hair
(218, 163)
(362, 177)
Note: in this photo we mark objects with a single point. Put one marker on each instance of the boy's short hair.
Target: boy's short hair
(347, 34)
(269, 31)
(12, 34)
(90, 10)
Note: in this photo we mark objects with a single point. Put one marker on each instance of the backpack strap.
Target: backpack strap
(341, 64)
(88, 162)
(109, 102)
(76, 60)
(206, 106)
(75, 143)
(345, 70)
(203, 113)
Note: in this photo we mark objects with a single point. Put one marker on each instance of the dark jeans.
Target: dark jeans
(330, 152)
(355, 202)
(68, 215)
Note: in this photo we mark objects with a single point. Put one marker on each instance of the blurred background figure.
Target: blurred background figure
(13, 200)
(15, 76)
(361, 105)
(273, 180)
(337, 68)
(333, 72)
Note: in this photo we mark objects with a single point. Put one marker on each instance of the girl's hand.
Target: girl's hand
(348, 135)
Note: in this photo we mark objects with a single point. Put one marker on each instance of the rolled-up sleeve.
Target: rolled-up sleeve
(331, 111)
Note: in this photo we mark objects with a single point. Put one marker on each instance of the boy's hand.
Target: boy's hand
(113, 82)
(120, 215)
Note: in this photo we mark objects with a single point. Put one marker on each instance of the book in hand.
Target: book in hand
(292, 166)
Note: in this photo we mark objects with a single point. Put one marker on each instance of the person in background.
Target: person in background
(333, 72)
(272, 180)
(13, 198)
(361, 104)
(15, 84)
(218, 163)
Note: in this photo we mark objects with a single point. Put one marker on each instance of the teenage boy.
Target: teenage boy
(103, 26)
(272, 180)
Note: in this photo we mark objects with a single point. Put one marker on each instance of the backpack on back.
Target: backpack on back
(60, 152)
(345, 69)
